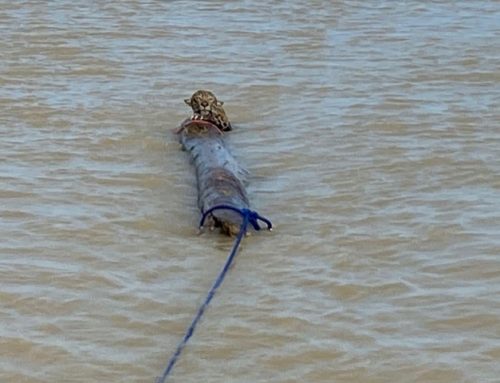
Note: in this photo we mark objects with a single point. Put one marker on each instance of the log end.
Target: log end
(198, 128)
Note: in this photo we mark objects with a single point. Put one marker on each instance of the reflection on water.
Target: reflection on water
(371, 134)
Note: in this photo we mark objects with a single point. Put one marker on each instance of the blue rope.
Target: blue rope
(253, 217)
(249, 216)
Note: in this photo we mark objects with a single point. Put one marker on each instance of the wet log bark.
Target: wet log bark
(221, 180)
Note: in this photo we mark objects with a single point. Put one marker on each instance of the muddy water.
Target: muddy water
(371, 130)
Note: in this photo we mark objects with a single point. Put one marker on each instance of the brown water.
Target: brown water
(371, 130)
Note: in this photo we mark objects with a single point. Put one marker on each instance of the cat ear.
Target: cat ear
(187, 101)
(220, 103)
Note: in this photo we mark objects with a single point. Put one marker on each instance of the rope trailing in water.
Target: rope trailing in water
(249, 217)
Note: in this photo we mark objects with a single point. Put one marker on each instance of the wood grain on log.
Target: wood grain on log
(221, 180)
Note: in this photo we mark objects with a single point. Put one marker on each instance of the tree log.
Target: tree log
(221, 180)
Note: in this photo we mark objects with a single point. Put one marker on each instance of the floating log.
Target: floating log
(221, 180)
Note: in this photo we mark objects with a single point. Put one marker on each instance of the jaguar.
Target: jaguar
(205, 106)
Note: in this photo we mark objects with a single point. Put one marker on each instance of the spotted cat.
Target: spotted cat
(202, 100)
(206, 107)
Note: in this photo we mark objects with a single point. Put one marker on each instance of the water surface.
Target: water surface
(371, 133)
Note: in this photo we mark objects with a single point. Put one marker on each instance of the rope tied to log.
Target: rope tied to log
(249, 217)
(252, 216)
